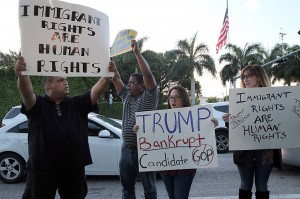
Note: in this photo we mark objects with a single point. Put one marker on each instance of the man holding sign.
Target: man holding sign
(60, 39)
(141, 94)
(58, 136)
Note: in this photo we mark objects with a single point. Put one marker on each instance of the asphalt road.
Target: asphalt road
(213, 183)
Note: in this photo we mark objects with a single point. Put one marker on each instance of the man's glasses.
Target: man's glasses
(175, 98)
(58, 111)
(246, 76)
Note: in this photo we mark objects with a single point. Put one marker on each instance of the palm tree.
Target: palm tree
(237, 58)
(289, 69)
(268, 57)
(192, 58)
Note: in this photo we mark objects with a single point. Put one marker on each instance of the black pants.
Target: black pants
(70, 184)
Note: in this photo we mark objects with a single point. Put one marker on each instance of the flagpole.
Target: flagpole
(223, 33)
(228, 42)
(224, 37)
(228, 28)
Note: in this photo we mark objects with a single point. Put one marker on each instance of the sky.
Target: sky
(165, 22)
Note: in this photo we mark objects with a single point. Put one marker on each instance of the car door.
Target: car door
(23, 136)
(104, 150)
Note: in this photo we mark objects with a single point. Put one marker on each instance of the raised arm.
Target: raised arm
(98, 89)
(24, 84)
(149, 79)
(116, 80)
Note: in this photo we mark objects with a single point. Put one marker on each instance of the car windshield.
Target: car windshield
(13, 113)
(223, 108)
(110, 121)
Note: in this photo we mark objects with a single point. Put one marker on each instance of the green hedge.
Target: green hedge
(114, 110)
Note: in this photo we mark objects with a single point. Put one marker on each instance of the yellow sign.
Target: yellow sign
(122, 42)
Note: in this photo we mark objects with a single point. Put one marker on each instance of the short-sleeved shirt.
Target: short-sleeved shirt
(147, 101)
(58, 134)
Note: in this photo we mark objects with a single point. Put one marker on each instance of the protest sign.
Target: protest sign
(122, 42)
(63, 39)
(181, 138)
(264, 118)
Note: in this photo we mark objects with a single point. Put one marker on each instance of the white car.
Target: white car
(221, 131)
(291, 156)
(12, 115)
(105, 141)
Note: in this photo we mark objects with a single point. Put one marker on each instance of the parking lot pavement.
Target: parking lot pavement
(280, 196)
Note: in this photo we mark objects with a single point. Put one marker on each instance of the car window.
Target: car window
(12, 113)
(110, 121)
(94, 129)
(223, 108)
(21, 128)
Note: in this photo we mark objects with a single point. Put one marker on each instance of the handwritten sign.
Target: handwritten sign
(122, 42)
(63, 39)
(181, 138)
(264, 118)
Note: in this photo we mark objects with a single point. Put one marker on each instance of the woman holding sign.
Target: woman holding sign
(256, 164)
(178, 182)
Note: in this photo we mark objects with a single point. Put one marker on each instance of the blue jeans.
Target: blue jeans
(254, 168)
(178, 187)
(129, 171)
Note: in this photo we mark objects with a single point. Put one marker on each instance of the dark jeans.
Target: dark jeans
(128, 175)
(178, 187)
(254, 168)
(71, 184)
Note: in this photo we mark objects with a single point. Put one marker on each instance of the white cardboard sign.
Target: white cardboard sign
(63, 39)
(181, 138)
(264, 118)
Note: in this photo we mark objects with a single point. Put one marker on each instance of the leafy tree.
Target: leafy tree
(157, 63)
(237, 58)
(212, 99)
(269, 56)
(8, 60)
(288, 70)
(192, 58)
(9, 95)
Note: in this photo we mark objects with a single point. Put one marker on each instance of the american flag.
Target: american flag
(223, 34)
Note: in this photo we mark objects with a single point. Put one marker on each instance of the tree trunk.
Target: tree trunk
(193, 91)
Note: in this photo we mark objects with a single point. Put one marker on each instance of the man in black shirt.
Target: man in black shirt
(58, 136)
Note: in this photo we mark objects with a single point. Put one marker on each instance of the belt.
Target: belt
(129, 147)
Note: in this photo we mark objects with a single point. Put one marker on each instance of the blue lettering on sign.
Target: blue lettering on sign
(175, 121)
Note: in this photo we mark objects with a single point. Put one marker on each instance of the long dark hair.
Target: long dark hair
(183, 94)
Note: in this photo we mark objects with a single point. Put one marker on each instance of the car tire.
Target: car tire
(12, 168)
(222, 141)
